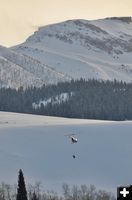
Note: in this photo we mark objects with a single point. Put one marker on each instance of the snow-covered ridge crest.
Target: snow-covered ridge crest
(123, 19)
(88, 34)
(99, 49)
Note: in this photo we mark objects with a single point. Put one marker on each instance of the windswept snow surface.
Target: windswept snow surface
(99, 49)
(38, 145)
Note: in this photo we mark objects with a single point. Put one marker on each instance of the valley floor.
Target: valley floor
(38, 145)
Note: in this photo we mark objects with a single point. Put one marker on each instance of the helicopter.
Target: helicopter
(72, 138)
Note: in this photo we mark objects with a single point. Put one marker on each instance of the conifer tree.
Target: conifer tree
(21, 190)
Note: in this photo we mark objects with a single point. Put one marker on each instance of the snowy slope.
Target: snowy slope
(99, 49)
(63, 97)
(38, 145)
(20, 70)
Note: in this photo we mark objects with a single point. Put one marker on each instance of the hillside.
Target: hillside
(18, 70)
(99, 49)
(103, 100)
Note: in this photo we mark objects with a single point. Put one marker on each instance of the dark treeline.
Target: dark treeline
(36, 192)
(90, 99)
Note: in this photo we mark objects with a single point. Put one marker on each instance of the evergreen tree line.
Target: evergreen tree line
(90, 99)
(36, 192)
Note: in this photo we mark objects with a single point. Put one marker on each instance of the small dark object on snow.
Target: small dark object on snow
(74, 156)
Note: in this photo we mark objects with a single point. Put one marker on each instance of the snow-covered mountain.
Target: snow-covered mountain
(39, 146)
(18, 70)
(100, 49)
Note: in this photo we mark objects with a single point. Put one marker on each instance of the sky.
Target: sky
(20, 18)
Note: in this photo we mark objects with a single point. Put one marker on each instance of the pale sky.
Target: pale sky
(20, 18)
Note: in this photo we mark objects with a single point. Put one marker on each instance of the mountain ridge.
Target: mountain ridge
(99, 49)
(90, 49)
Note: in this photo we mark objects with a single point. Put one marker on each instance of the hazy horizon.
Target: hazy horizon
(19, 19)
